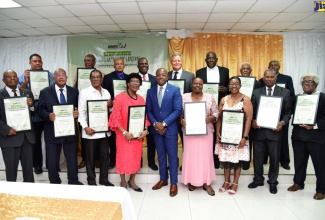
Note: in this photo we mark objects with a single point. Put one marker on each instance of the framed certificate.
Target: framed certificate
(64, 123)
(305, 109)
(119, 85)
(269, 111)
(83, 78)
(97, 115)
(232, 127)
(136, 120)
(247, 85)
(17, 113)
(195, 114)
(180, 83)
(144, 88)
(283, 85)
(38, 80)
(213, 89)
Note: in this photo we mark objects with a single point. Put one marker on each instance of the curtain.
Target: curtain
(232, 50)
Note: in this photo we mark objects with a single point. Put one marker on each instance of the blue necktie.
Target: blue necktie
(160, 96)
(62, 98)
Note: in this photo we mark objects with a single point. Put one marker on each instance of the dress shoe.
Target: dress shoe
(295, 187)
(191, 187)
(153, 167)
(173, 190)
(160, 184)
(135, 189)
(273, 189)
(180, 169)
(286, 166)
(97, 164)
(319, 196)
(82, 164)
(253, 185)
(92, 184)
(76, 182)
(209, 189)
(38, 170)
(106, 183)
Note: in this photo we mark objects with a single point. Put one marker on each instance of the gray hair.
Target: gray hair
(246, 63)
(176, 54)
(314, 75)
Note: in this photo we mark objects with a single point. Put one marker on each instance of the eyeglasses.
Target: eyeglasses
(307, 82)
(234, 84)
(134, 81)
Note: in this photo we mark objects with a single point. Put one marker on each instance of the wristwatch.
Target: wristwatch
(124, 133)
(246, 137)
(164, 124)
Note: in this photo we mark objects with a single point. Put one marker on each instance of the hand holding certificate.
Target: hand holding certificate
(64, 123)
(306, 109)
(268, 112)
(232, 127)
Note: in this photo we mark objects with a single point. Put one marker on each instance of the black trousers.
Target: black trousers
(92, 146)
(301, 152)
(284, 155)
(37, 150)
(11, 157)
(273, 149)
(112, 148)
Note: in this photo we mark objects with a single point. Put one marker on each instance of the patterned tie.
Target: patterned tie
(14, 91)
(144, 78)
(175, 75)
(62, 98)
(160, 96)
(269, 91)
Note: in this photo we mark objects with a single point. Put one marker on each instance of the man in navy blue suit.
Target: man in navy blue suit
(59, 94)
(164, 106)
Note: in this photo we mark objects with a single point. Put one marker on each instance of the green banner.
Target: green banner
(131, 47)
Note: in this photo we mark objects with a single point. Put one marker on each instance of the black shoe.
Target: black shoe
(153, 167)
(106, 183)
(92, 184)
(38, 170)
(253, 185)
(76, 182)
(180, 169)
(273, 189)
(111, 165)
(286, 166)
(135, 189)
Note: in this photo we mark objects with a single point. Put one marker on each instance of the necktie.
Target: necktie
(14, 91)
(144, 78)
(269, 91)
(160, 95)
(62, 98)
(175, 75)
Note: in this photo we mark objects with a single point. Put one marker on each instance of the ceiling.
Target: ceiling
(72, 17)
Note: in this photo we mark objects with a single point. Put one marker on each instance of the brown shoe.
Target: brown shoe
(173, 190)
(295, 187)
(97, 164)
(319, 196)
(160, 184)
(82, 164)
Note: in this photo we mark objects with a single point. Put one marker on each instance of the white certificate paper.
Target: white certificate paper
(306, 109)
(97, 114)
(213, 89)
(17, 113)
(268, 112)
(137, 119)
(64, 123)
(83, 78)
(38, 80)
(247, 85)
(119, 85)
(144, 89)
(180, 83)
(195, 114)
(232, 127)
(283, 85)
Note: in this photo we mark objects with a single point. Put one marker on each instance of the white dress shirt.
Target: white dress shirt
(213, 75)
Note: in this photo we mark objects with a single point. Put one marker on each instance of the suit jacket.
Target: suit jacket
(170, 110)
(314, 135)
(152, 79)
(18, 139)
(48, 98)
(188, 76)
(265, 133)
(108, 83)
(223, 78)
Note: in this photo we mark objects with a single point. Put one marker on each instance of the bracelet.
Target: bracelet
(124, 133)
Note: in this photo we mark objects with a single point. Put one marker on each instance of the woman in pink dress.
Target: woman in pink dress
(198, 166)
(233, 156)
(128, 149)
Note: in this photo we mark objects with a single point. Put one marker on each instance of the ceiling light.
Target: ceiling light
(9, 4)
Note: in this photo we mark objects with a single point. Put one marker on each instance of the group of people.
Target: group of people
(165, 120)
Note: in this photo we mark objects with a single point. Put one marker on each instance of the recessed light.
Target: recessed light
(9, 4)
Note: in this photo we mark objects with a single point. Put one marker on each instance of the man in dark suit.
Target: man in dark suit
(143, 67)
(215, 74)
(309, 140)
(118, 73)
(266, 139)
(164, 106)
(59, 94)
(285, 81)
(15, 145)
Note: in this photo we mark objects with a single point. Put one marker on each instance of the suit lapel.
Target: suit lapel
(5, 93)
(277, 91)
(54, 93)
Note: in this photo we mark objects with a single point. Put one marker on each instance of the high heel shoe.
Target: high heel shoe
(225, 187)
(209, 189)
(135, 189)
(191, 187)
(233, 191)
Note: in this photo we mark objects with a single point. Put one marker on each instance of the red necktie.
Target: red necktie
(144, 78)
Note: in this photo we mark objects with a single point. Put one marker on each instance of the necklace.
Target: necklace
(136, 96)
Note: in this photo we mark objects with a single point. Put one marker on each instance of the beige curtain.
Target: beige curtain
(232, 50)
